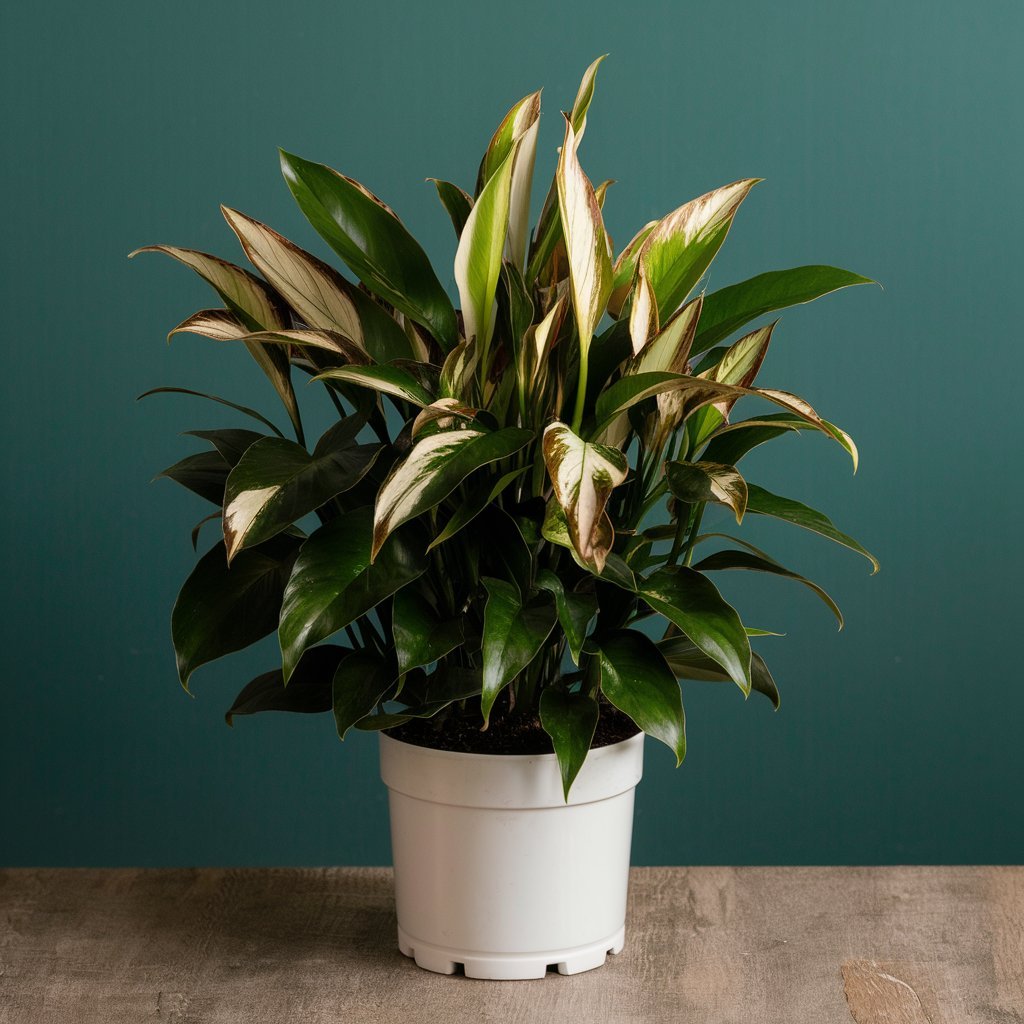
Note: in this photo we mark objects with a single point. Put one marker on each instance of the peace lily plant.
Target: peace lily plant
(508, 509)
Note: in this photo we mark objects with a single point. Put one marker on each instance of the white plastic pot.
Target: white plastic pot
(494, 872)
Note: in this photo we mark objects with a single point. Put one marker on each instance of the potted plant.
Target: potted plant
(494, 557)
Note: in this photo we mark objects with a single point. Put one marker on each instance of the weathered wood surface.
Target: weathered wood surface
(705, 945)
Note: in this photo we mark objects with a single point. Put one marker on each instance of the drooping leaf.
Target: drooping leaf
(218, 324)
(583, 476)
(575, 610)
(586, 242)
(514, 631)
(689, 662)
(436, 465)
(390, 380)
(277, 482)
(682, 245)
(333, 581)
(570, 719)
(373, 242)
(308, 691)
(222, 609)
(456, 201)
(731, 441)
(213, 398)
(326, 341)
(444, 414)
(478, 259)
(695, 482)
(757, 561)
(204, 473)
(361, 680)
(421, 636)
(692, 602)
(729, 309)
(767, 504)
(254, 304)
(636, 679)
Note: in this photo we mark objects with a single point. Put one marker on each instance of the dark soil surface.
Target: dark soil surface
(507, 734)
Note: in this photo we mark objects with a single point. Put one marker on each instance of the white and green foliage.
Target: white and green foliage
(511, 489)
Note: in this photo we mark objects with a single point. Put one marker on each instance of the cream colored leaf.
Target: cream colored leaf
(218, 324)
(643, 317)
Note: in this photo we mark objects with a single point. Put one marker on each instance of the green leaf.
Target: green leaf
(421, 636)
(586, 242)
(583, 476)
(574, 610)
(277, 482)
(222, 609)
(730, 308)
(570, 719)
(230, 442)
(636, 679)
(391, 380)
(693, 603)
(213, 398)
(361, 680)
(757, 561)
(373, 242)
(514, 632)
(688, 662)
(682, 245)
(204, 473)
(730, 442)
(694, 482)
(478, 260)
(479, 498)
(436, 465)
(333, 581)
(308, 692)
(456, 201)
(767, 504)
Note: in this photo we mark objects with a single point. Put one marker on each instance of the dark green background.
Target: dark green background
(890, 138)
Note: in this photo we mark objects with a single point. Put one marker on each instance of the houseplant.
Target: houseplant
(511, 498)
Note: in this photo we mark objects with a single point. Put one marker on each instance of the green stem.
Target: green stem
(581, 390)
(688, 556)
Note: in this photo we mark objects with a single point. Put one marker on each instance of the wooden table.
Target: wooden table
(705, 945)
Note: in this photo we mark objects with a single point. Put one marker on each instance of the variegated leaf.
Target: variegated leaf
(670, 348)
(643, 316)
(256, 307)
(436, 465)
(328, 341)
(478, 259)
(625, 270)
(584, 97)
(390, 380)
(459, 366)
(590, 268)
(444, 413)
(583, 476)
(695, 482)
(683, 244)
(217, 324)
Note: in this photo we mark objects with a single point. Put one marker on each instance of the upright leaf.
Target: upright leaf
(636, 679)
(373, 242)
(478, 259)
(586, 242)
(333, 581)
(457, 202)
(570, 719)
(683, 244)
(583, 476)
(222, 609)
(436, 465)
(514, 631)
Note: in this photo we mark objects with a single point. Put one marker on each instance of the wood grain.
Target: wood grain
(716, 945)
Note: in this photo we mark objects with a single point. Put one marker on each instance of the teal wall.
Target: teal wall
(890, 138)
